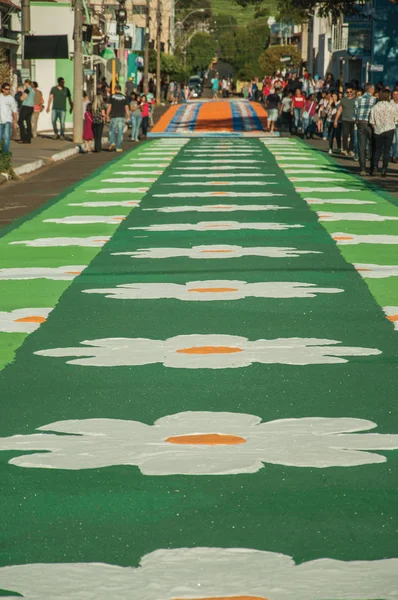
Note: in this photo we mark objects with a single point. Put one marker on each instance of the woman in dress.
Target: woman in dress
(144, 107)
(334, 132)
(88, 135)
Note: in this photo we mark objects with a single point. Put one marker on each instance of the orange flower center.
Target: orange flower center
(219, 193)
(209, 350)
(342, 237)
(206, 439)
(218, 182)
(213, 290)
(73, 272)
(393, 318)
(32, 319)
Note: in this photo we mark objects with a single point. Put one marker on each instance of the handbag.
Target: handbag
(306, 113)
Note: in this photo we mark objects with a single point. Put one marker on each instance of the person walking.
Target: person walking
(59, 95)
(214, 86)
(88, 134)
(117, 113)
(297, 107)
(363, 106)
(8, 116)
(135, 117)
(37, 109)
(273, 103)
(346, 111)
(144, 106)
(382, 119)
(334, 127)
(307, 116)
(285, 112)
(99, 114)
(25, 116)
(394, 103)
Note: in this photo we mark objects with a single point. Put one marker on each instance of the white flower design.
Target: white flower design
(376, 271)
(202, 443)
(134, 171)
(198, 351)
(217, 226)
(119, 190)
(217, 252)
(129, 180)
(66, 273)
(336, 201)
(213, 290)
(392, 315)
(316, 179)
(328, 189)
(87, 220)
(215, 149)
(217, 194)
(97, 241)
(105, 204)
(228, 168)
(352, 238)
(224, 573)
(222, 161)
(219, 208)
(294, 157)
(303, 170)
(147, 164)
(213, 183)
(215, 175)
(346, 216)
(23, 320)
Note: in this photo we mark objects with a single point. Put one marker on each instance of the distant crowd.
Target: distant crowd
(354, 121)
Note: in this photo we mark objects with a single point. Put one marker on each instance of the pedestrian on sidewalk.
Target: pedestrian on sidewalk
(334, 127)
(117, 113)
(363, 106)
(297, 107)
(307, 116)
(37, 109)
(394, 103)
(382, 119)
(144, 106)
(273, 103)
(285, 112)
(88, 134)
(8, 116)
(25, 116)
(346, 111)
(59, 95)
(135, 117)
(99, 114)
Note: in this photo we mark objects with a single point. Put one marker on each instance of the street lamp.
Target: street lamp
(197, 10)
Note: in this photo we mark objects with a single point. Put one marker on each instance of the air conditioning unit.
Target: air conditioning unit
(16, 23)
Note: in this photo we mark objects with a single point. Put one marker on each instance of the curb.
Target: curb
(38, 164)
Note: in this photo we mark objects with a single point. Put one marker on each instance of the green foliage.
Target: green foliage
(171, 65)
(242, 45)
(246, 74)
(298, 10)
(5, 69)
(5, 163)
(201, 51)
(270, 62)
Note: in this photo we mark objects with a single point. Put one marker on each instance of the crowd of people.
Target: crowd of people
(357, 122)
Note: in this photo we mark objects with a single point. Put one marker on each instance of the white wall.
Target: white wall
(52, 19)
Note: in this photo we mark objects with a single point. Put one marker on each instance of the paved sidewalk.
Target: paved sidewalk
(42, 148)
(389, 183)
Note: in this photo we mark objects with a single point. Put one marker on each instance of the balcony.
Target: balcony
(339, 37)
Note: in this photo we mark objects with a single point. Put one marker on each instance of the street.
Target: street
(198, 350)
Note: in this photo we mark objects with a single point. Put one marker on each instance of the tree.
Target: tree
(201, 51)
(251, 41)
(270, 60)
(300, 9)
(227, 43)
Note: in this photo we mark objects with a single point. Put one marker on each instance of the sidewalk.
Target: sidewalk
(389, 183)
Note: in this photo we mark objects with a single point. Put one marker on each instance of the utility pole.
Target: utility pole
(78, 73)
(158, 56)
(25, 5)
(146, 46)
(121, 18)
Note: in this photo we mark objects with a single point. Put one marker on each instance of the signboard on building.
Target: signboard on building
(376, 68)
(359, 38)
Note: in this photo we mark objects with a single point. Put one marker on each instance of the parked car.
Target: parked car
(195, 85)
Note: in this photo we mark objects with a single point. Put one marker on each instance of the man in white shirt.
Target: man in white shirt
(394, 102)
(8, 115)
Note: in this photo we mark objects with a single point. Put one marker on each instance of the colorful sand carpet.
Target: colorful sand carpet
(199, 383)
(238, 118)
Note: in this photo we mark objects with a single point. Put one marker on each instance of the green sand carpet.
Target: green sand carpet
(210, 408)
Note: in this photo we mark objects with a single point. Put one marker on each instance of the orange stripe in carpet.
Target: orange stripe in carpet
(165, 119)
(215, 116)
